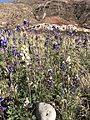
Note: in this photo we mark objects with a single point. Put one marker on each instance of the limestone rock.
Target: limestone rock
(45, 111)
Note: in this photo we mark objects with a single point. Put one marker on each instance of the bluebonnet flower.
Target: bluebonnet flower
(76, 33)
(2, 32)
(18, 28)
(11, 67)
(56, 29)
(77, 42)
(1, 107)
(14, 40)
(0, 48)
(62, 66)
(1, 99)
(84, 39)
(47, 40)
(0, 41)
(82, 73)
(56, 46)
(50, 82)
(13, 51)
(25, 22)
(9, 32)
(6, 40)
(69, 32)
(3, 43)
(76, 81)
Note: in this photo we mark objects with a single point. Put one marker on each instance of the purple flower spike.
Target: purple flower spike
(50, 82)
(6, 40)
(26, 23)
(1, 99)
(62, 66)
(18, 28)
(13, 50)
(55, 46)
(3, 108)
(9, 32)
(0, 48)
(3, 32)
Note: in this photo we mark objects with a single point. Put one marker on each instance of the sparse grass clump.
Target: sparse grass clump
(50, 66)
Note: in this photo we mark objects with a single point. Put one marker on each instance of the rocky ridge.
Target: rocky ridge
(71, 10)
(60, 12)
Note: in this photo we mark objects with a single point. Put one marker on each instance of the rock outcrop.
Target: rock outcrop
(76, 12)
(71, 10)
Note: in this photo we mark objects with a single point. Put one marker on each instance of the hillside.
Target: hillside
(14, 13)
(35, 11)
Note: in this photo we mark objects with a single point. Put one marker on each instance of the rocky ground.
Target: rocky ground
(14, 13)
(71, 11)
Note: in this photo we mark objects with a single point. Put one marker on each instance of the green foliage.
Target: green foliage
(48, 66)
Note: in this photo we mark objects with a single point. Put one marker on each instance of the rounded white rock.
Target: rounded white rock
(45, 111)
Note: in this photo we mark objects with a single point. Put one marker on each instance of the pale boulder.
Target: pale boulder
(45, 111)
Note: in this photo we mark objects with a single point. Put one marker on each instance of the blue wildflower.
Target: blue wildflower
(82, 73)
(6, 40)
(62, 66)
(56, 29)
(25, 22)
(0, 48)
(47, 40)
(18, 28)
(1, 99)
(13, 51)
(76, 41)
(0, 42)
(2, 32)
(55, 46)
(50, 82)
(9, 32)
(3, 108)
